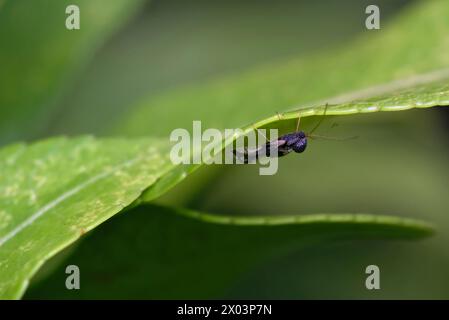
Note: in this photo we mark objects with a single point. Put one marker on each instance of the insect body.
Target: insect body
(295, 141)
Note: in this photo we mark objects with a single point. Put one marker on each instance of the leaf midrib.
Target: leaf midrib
(64, 196)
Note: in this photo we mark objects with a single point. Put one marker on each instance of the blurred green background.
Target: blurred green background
(144, 49)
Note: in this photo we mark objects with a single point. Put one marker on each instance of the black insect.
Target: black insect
(285, 144)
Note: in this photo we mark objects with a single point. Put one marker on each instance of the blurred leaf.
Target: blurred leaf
(176, 43)
(39, 57)
(415, 42)
(54, 191)
(158, 253)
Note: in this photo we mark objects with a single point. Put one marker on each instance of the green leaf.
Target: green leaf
(421, 96)
(54, 191)
(408, 52)
(40, 57)
(151, 52)
(158, 253)
(412, 44)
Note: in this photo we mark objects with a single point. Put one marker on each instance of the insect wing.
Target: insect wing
(274, 146)
(247, 156)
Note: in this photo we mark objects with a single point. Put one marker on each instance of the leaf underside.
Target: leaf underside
(169, 252)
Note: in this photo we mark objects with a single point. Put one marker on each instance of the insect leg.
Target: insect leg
(280, 117)
(259, 131)
(321, 120)
(297, 124)
(330, 138)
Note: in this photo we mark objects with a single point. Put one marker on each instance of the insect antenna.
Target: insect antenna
(330, 138)
(313, 136)
(297, 124)
(280, 116)
(321, 120)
